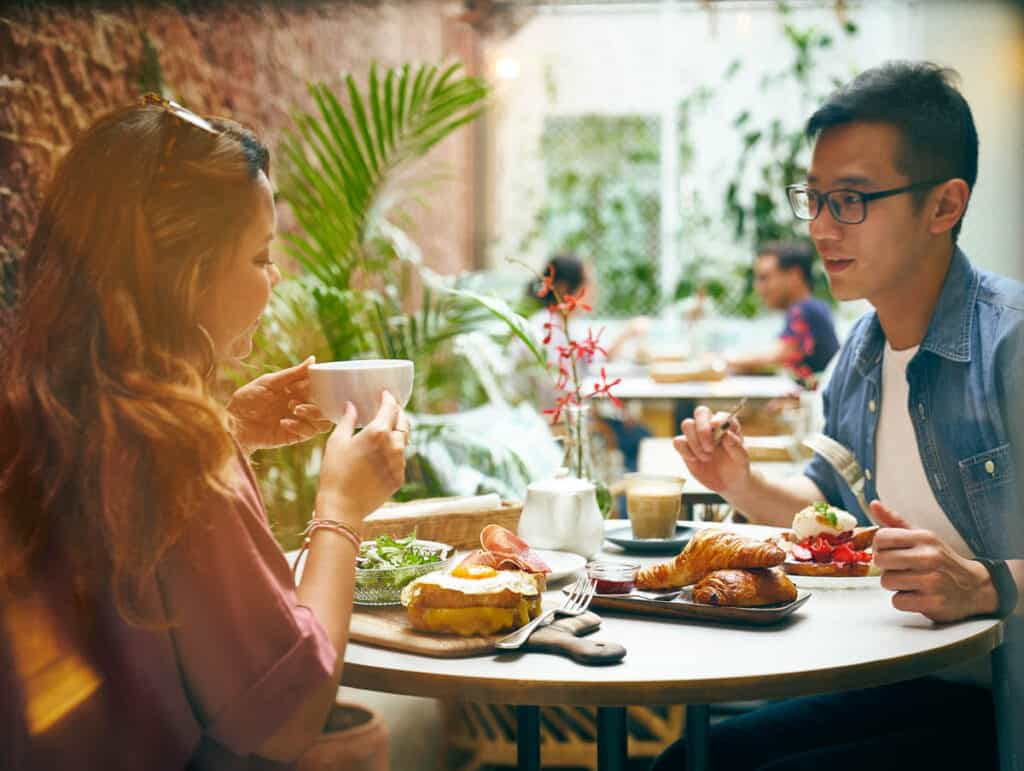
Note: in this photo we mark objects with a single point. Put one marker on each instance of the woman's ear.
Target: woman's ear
(950, 203)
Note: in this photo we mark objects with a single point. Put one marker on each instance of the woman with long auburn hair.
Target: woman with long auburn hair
(148, 616)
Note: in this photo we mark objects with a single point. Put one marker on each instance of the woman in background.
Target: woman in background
(150, 618)
(571, 276)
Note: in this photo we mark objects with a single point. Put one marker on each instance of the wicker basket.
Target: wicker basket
(460, 529)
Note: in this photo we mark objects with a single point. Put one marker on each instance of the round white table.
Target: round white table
(840, 639)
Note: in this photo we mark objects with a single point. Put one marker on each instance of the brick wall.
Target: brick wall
(61, 66)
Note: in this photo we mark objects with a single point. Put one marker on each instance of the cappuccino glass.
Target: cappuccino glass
(653, 503)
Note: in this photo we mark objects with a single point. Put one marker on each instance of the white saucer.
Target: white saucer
(562, 563)
(837, 582)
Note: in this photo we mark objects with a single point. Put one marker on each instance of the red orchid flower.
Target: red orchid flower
(572, 302)
(563, 378)
(591, 346)
(547, 283)
(603, 388)
(549, 325)
(561, 403)
(572, 352)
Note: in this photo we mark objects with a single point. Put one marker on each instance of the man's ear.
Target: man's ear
(947, 205)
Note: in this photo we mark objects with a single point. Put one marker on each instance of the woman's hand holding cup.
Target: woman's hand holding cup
(360, 472)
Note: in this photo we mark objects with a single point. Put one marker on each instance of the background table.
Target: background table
(838, 640)
(733, 387)
(664, 404)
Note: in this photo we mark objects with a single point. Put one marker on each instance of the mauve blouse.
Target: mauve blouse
(205, 691)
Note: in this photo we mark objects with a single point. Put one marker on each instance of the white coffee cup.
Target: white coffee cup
(362, 382)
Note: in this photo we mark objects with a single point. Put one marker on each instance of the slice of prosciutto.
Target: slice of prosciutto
(478, 557)
(504, 550)
(508, 547)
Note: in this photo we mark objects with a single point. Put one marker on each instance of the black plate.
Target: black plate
(683, 607)
(622, 535)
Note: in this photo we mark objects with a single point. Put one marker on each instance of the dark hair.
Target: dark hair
(791, 254)
(921, 100)
(568, 271)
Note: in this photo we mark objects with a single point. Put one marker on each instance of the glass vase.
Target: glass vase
(577, 457)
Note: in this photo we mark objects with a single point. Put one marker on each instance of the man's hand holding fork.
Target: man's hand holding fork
(711, 445)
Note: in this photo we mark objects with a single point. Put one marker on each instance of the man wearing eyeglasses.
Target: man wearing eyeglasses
(923, 394)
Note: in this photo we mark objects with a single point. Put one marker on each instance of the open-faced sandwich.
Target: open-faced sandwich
(497, 588)
(826, 541)
(725, 569)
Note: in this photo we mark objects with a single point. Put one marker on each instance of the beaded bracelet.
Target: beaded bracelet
(325, 524)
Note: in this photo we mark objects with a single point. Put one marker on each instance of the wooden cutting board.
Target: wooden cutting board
(388, 627)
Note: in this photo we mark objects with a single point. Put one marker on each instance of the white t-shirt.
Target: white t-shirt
(900, 476)
(903, 485)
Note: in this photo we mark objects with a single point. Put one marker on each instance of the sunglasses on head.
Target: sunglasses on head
(168, 136)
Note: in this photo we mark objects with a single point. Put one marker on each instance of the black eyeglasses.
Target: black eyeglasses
(168, 136)
(849, 207)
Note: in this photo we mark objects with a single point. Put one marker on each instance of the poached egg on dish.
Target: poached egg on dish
(820, 518)
(478, 580)
(473, 600)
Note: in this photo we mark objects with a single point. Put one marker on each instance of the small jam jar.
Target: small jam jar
(613, 576)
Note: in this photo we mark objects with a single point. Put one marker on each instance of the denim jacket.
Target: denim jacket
(962, 404)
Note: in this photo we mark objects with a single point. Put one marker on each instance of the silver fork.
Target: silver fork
(844, 463)
(575, 602)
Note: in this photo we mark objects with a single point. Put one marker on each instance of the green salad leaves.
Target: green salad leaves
(387, 552)
(386, 564)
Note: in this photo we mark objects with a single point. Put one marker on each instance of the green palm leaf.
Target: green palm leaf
(339, 158)
(346, 174)
(516, 323)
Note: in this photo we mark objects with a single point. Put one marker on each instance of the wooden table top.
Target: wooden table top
(733, 387)
(839, 639)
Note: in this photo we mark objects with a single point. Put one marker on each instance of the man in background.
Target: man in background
(783, 280)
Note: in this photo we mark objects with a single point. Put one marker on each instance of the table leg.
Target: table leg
(698, 729)
(612, 739)
(1008, 710)
(528, 738)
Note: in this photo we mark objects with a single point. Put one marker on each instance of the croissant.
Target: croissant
(744, 588)
(709, 550)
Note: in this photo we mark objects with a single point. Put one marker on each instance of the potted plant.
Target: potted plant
(348, 177)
